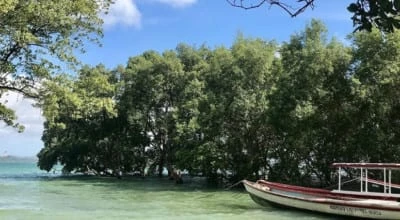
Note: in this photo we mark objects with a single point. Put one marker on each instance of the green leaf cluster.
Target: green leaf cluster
(369, 14)
(38, 35)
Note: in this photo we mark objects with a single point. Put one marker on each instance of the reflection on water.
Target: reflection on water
(37, 196)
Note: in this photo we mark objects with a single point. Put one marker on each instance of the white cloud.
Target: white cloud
(178, 3)
(27, 143)
(124, 12)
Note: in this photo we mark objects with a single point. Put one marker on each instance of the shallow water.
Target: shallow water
(27, 193)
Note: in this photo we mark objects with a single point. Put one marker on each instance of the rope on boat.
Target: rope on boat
(234, 185)
(348, 181)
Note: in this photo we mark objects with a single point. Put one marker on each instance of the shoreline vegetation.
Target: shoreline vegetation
(258, 108)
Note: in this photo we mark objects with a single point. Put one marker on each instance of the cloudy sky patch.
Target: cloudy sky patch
(178, 3)
(127, 13)
(123, 12)
(27, 143)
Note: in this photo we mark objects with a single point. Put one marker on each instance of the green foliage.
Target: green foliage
(8, 116)
(35, 35)
(78, 129)
(238, 83)
(255, 109)
(375, 83)
(382, 14)
(308, 109)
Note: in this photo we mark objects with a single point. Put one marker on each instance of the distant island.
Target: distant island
(10, 158)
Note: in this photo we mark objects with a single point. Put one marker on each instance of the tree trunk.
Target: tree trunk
(161, 163)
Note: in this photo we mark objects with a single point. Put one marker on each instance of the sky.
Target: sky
(135, 26)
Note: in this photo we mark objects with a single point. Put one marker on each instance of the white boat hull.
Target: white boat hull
(363, 208)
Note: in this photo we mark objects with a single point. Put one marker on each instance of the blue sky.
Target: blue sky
(134, 26)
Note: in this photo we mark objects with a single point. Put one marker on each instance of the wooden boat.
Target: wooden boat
(362, 203)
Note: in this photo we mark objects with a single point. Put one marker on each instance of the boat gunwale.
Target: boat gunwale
(328, 193)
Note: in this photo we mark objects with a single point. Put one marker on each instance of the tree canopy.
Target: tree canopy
(367, 14)
(35, 36)
(254, 109)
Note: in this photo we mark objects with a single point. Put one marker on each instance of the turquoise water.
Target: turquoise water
(28, 193)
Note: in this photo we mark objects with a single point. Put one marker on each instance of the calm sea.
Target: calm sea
(28, 193)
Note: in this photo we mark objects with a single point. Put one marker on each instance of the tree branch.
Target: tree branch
(19, 90)
(241, 5)
(286, 7)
